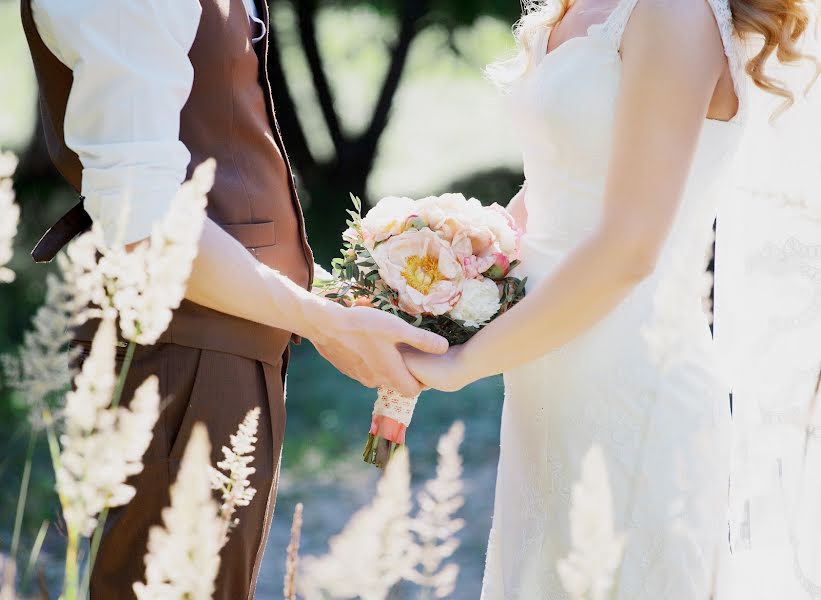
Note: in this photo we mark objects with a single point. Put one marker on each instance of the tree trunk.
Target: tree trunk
(325, 198)
(326, 186)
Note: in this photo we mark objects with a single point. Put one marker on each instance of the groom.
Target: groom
(134, 94)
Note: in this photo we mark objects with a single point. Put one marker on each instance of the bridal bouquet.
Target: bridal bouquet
(441, 263)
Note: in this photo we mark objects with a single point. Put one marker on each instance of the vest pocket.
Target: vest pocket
(253, 235)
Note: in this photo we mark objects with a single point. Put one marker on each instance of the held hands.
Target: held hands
(364, 344)
(447, 372)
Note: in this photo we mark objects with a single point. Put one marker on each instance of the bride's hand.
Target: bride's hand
(444, 372)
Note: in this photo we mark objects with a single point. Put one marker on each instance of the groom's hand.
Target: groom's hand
(365, 343)
(447, 373)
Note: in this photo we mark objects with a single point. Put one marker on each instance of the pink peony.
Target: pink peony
(423, 269)
(388, 218)
(350, 235)
(499, 268)
(476, 265)
(451, 214)
(415, 222)
(507, 234)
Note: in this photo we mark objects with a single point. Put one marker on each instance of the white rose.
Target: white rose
(479, 302)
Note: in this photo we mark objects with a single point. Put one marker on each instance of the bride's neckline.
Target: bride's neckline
(587, 37)
(546, 51)
(569, 41)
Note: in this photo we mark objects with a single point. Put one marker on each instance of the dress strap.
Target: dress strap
(613, 30)
(735, 49)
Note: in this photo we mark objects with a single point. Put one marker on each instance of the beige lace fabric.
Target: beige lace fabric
(392, 404)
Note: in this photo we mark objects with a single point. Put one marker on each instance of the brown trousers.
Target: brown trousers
(217, 389)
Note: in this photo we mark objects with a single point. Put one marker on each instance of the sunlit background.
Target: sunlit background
(364, 115)
(445, 130)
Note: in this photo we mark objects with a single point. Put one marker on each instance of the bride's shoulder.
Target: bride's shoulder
(688, 29)
(685, 16)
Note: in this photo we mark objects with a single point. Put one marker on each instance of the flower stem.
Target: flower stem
(92, 553)
(72, 548)
(21, 498)
(97, 537)
(71, 567)
(367, 453)
(34, 555)
(378, 451)
(53, 446)
(118, 391)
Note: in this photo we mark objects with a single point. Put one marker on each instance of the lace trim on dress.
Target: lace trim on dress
(734, 49)
(613, 28)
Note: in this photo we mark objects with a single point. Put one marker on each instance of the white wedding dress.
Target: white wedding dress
(644, 384)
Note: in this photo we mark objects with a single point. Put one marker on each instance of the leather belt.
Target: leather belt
(70, 225)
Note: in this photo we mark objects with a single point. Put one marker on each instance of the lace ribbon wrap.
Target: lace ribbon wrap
(392, 404)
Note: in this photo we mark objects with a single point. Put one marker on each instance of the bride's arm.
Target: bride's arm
(672, 60)
(517, 209)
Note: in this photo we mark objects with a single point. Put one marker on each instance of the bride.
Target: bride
(628, 112)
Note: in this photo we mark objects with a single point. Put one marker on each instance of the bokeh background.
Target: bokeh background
(375, 98)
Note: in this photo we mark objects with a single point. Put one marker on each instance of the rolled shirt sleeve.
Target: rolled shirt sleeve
(132, 77)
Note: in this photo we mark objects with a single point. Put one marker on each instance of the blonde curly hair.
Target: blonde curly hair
(780, 24)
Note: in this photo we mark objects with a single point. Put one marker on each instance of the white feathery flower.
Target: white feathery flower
(435, 524)
(183, 559)
(40, 371)
(292, 558)
(79, 267)
(679, 294)
(95, 382)
(8, 578)
(588, 572)
(232, 477)
(146, 284)
(321, 273)
(9, 214)
(479, 303)
(102, 446)
(168, 259)
(376, 548)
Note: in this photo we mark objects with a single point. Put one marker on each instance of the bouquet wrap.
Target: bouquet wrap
(392, 414)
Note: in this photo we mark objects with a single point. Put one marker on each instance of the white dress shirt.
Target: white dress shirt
(259, 25)
(132, 77)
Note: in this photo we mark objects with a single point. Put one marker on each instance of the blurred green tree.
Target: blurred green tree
(354, 153)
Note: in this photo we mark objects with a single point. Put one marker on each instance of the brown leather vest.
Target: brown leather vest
(229, 116)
